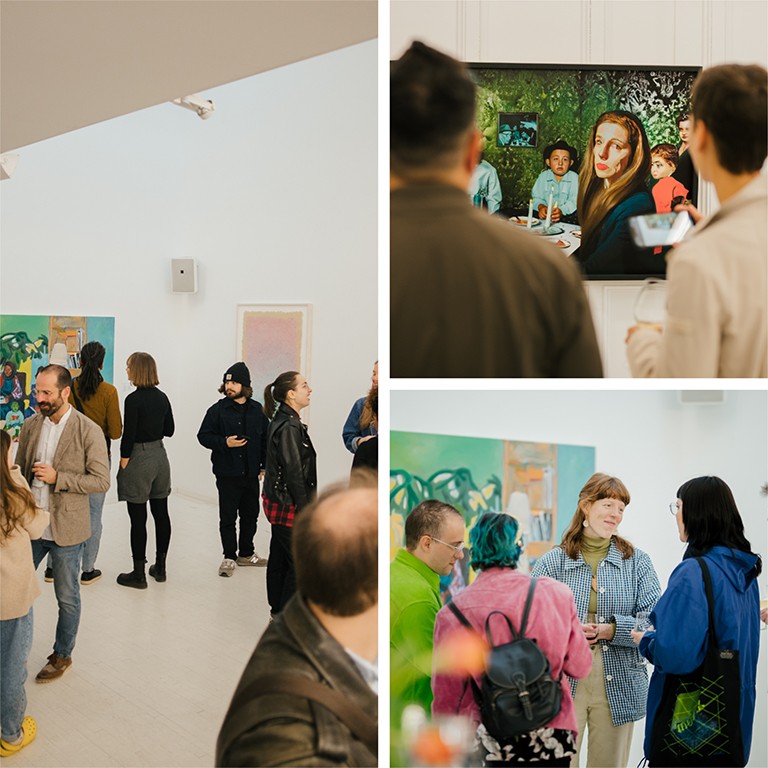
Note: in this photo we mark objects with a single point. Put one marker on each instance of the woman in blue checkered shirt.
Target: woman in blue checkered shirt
(611, 581)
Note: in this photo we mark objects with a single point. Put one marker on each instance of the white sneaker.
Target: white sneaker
(254, 559)
(227, 567)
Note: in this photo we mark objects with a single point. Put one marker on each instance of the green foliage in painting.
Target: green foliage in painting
(568, 103)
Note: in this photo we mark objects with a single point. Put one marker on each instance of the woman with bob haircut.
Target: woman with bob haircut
(496, 544)
(709, 522)
(613, 188)
(611, 581)
(290, 480)
(145, 474)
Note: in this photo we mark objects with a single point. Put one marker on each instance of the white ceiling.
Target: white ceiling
(65, 64)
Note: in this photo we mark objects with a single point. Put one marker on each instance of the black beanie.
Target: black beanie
(238, 373)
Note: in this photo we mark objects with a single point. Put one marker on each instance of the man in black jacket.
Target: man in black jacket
(235, 430)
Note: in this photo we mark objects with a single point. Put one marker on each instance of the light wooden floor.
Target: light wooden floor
(153, 670)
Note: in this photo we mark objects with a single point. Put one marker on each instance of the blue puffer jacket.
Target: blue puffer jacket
(681, 622)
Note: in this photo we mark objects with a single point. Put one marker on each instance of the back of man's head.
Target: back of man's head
(426, 519)
(335, 550)
(731, 101)
(432, 109)
(62, 374)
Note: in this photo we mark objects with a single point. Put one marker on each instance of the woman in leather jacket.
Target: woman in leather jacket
(290, 482)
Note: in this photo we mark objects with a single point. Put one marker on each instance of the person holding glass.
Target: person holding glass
(495, 546)
(145, 473)
(290, 480)
(612, 189)
(709, 522)
(611, 581)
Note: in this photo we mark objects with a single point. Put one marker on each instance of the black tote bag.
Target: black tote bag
(698, 722)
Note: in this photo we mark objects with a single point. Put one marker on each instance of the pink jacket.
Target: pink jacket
(552, 622)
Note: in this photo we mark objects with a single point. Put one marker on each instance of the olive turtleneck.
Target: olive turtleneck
(593, 551)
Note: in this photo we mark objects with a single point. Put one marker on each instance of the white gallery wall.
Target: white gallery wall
(649, 439)
(643, 32)
(621, 32)
(274, 196)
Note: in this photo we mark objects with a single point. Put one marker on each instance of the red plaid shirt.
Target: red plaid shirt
(278, 514)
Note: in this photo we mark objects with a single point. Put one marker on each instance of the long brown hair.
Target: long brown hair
(594, 201)
(16, 501)
(370, 406)
(599, 486)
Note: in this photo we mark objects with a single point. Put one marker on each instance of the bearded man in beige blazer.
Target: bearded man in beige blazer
(63, 456)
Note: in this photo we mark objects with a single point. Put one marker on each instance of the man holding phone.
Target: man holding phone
(235, 431)
(717, 305)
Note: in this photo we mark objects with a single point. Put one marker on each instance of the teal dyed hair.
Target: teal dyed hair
(495, 541)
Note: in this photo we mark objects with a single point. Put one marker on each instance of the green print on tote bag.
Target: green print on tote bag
(698, 721)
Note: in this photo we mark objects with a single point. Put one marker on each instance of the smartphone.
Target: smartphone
(657, 229)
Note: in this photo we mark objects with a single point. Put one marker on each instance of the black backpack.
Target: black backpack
(517, 693)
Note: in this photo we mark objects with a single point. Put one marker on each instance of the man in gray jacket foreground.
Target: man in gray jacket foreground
(308, 695)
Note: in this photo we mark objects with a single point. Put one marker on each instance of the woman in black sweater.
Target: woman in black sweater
(145, 474)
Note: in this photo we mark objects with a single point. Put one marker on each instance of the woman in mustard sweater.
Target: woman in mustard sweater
(98, 400)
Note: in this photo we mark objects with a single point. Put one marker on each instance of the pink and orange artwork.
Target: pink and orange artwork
(272, 339)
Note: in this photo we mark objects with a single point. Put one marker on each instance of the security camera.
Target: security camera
(204, 107)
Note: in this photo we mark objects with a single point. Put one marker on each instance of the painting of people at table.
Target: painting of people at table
(559, 180)
(667, 191)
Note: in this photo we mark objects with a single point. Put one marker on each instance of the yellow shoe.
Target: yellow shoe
(28, 733)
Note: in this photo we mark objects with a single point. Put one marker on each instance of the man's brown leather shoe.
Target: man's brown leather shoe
(54, 669)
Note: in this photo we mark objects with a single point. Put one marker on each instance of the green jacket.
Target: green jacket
(414, 600)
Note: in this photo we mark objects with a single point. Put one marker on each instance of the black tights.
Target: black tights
(138, 515)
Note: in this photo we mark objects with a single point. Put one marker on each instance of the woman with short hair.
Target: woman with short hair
(290, 480)
(612, 189)
(495, 546)
(611, 581)
(708, 520)
(145, 473)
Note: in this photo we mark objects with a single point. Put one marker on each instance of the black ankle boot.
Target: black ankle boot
(157, 571)
(136, 577)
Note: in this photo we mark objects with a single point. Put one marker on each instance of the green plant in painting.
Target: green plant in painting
(18, 347)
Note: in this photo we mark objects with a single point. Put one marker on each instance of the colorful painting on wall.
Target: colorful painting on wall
(273, 338)
(26, 341)
(538, 483)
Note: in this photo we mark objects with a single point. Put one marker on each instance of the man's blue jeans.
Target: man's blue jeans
(65, 562)
(15, 643)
